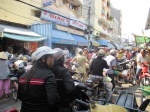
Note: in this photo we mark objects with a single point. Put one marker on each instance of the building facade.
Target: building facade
(16, 12)
(147, 26)
(117, 14)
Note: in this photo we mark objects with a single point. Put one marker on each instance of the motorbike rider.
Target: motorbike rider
(96, 68)
(65, 84)
(141, 58)
(111, 61)
(37, 88)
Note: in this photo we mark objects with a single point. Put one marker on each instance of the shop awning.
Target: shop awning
(24, 37)
(62, 37)
(21, 34)
(95, 43)
(105, 43)
(81, 41)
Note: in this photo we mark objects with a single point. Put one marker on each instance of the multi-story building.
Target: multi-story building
(114, 31)
(99, 16)
(147, 26)
(12, 11)
(99, 19)
(15, 19)
(117, 14)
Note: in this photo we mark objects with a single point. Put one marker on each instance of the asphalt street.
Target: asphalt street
(9, 102)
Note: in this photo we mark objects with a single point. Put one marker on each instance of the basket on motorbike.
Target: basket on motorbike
(145, 90)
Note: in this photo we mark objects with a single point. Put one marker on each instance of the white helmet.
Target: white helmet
(59, 53)
(112, 51)
(41, 51)
(101, 52)
(33, 57)
(80, 51)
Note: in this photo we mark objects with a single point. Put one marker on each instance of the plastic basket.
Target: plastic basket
(146, 90)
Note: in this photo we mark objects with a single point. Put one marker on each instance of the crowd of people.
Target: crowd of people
(48, 85)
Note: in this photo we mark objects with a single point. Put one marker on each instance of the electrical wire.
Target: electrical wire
(18, 15)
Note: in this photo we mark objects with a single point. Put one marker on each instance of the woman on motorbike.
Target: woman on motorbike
(37, 87)
(65, 84)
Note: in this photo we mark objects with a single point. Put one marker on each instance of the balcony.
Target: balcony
(103, 21)
(108, 4)
(74, 2)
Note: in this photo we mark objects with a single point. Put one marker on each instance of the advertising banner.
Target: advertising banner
(51, 17)
(77, 23)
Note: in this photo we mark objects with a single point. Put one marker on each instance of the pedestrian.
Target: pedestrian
(37, 87)
(65, 84)
(4, 73)
(81, 61)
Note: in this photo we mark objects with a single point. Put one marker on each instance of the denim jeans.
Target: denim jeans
(138, 71)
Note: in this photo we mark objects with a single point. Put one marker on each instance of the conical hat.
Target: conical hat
(3, 55)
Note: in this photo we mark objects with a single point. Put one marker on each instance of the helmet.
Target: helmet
(143, 50)
(33, 57)
(41, 51)
(59, 54)
(80, 51)
(101, 52)
(112, 51)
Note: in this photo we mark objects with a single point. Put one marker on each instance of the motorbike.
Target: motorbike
(144, 77)
(127, 68)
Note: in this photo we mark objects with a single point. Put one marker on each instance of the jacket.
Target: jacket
(65, 84)
(41, 94)
(97, 66)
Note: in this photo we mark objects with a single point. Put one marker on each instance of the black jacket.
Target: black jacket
(65, 84)
(97, 66)
(41, 94)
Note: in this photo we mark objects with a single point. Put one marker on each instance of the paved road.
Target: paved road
(9, 102)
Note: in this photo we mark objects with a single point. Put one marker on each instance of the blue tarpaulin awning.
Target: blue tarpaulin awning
(62, 37)
(105, 42)
(81, 41)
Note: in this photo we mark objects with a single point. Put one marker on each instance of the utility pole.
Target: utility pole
(89, 25)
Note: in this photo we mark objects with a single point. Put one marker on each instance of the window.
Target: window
(36, 13)
(103, 11)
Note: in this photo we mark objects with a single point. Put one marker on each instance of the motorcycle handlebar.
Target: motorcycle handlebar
(82, 103)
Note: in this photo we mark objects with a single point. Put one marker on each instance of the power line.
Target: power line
(18, 15)
(48, 11)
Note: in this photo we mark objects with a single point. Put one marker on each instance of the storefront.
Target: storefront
(20, 39)
(105, 43)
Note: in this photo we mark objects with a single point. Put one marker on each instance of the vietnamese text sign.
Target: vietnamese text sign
(76, 23)
(54, 18)
(47, 2)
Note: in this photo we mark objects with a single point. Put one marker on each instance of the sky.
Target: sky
(134, 14)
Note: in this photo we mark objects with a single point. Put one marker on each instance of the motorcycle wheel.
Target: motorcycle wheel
(145, 81)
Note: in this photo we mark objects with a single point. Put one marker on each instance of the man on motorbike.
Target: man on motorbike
(96, 68)
(37, 88)
(141, 58)
(111, 61)
(64, 81)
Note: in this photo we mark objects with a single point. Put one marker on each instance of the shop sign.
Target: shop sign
(47, 3)
(1, 32)
(54, 18)
(77, 23)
